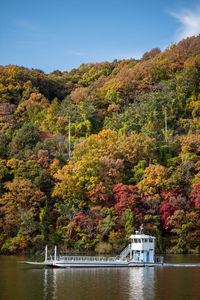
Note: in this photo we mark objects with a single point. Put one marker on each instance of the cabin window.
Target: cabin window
(139, 241)
(150, 240)
(144, 240)
(135, 240)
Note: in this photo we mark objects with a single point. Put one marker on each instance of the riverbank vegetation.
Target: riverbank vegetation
(134, 153)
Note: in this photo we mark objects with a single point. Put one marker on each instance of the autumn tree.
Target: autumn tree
(154, 180)
(26, 139)
(185, 229)
(21, 202)
(172, 200)
(127, 197)
(195, 196)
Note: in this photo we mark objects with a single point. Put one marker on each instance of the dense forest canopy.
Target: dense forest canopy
(135, 153)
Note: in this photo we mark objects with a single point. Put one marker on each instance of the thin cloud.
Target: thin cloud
(77, 53)
(190, 23)
(128, 56)
(25, 24)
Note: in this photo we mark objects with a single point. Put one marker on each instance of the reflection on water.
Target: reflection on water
(133, 283)
(141, 283)
(46, 283)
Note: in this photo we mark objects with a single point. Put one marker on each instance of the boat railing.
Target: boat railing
(84, 258)
(158, 259)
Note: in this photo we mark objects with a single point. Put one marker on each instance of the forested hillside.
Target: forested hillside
(134, 159)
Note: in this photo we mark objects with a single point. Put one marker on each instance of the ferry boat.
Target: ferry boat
(139, 253)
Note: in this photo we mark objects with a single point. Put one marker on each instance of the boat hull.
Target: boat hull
(100, 265)
(75, 264)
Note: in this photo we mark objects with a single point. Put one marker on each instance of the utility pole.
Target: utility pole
(69, 139)
(166, 129)
(166, 122)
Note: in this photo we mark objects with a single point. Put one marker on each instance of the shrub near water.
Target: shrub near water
(103, 247)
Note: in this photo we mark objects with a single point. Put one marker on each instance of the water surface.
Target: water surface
(24, 282)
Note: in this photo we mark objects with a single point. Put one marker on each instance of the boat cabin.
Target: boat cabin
(142, 247)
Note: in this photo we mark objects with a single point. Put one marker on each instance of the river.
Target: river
(24, 282)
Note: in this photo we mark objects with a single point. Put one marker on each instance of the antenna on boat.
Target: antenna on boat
(55, 252)
(141, 228)
(46, 253)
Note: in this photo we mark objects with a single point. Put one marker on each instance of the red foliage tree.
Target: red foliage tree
(195, 196)
(42, 158)
(126, 197)
(172, 200)
(166, 210)
(99, 195)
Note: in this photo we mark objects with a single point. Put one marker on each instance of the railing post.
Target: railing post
(55, 253)
(46, 253)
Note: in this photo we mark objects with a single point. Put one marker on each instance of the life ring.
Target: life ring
(128, 259)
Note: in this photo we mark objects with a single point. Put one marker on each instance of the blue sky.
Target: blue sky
(62, 34)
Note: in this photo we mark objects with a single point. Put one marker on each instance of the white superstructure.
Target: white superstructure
(142, 248)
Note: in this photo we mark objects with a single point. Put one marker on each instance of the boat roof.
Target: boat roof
(141, 236)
